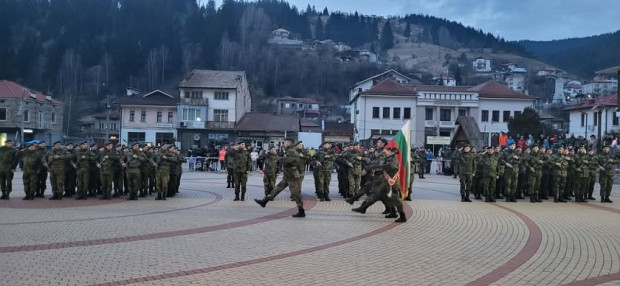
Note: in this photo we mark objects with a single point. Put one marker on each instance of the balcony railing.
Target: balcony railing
(195, 101)
(221, 125)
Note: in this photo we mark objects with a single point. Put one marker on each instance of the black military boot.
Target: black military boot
(228, 186)
(402, 217)
(487, 199)
(53, 197)
(326, 197)
(386, 210)
(262, 202)
(320, 197)
(158, 196)
(361, 209)
(536, 198)
(467, 197)
(462, 198)
(237, 191)
(491, 199)
(350, 200)
(300, 212)
(3, 197)
(512, 199)
(532, 199)
(243, 194)
(607, 200)
(408, 197)
(392, 214)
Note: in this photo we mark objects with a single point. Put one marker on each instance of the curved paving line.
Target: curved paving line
(596, 280)
(218, 198)
(408, 211)
(596, 206)
(310, 203)
(526, 253)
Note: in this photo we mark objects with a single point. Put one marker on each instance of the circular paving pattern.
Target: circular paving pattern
(203, 237)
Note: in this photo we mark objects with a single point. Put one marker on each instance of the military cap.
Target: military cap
(240, 142)
(383, 140)
(84, 143)
(109, 143)
(289, 139)
(42, 142)
(327, 142)
(298, 142)
(8, 141)
(490, 147)
(466, 145)
(118, 145)
(69, 144)
(93, 145)
(512, 143)
(134, 144)
(271, 147)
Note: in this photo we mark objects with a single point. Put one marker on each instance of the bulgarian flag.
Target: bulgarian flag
(402, 141)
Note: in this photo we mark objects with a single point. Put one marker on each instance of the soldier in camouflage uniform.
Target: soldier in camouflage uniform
(243, 165)
(607, 166)
(118, 172)
(476, 185)
(133, 161)
(467, 166)
(8, 162)
(593, 168)
(342, 171)
(522, 186)
(107, 159)
(415, 161)
(499, 182)
(70, 171)
(560, 171)
(176, 171)
(355, 160)
(42, 172)
(325, 164)
(534, 165)
(148, 172)
(164, 160)
(83, 158)
(570, 184)
(270, 169)
(293, 165)
(582, 166)
(489, 162)
(547, 173)
(31, 162)
(94, 177)
(54, 162)
(511, 160)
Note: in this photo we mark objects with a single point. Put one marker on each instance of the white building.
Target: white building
(516, 82)
(600, 86)
(366, 84)
(584, 117)
(383, 109)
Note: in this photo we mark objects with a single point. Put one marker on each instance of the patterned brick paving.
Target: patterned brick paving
(204, 238)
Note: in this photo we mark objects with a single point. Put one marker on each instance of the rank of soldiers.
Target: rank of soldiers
(536, 172)
(85, 171)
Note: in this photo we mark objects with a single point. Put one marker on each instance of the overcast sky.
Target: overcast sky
(512, 20)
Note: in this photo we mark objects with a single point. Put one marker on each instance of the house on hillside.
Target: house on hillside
(102, 127)
(481, 65)
(29, 114)
(212, 103)
(305, 107)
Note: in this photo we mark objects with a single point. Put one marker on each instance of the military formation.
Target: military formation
(536, 172)
(90, 171)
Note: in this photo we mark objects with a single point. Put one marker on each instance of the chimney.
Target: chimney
(323, 125)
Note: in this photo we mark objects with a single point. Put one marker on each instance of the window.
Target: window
(164, 138)
(595, 118)
(485, 116)
(191, 114)
(40, 117)
(170, 117)
(396, 113)
(159, 116)
(375, 112)
(221, 95)
(614, 120)
(462, 112)
(101, 125)
(143, 116)
(195, 94)
(112, 126)
(386, 113)
(2, 114)
(407, 113)
(517, 113)
(220, 115)
(429, 114)
(445, 114)
(53, 117)
(495, 117)
(375, 131)
(136, 137)
(26, 115)
(506, 115)
(583, 119)
(132, 115)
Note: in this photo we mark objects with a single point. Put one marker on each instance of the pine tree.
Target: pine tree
(387, 37)
(407, 32)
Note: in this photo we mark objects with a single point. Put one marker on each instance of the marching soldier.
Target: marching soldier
(607, 166)
(270, 169)
(243, 164)
(342, 171)
(582, 166)
(148, 172)
(489, 162)
(325, 164)
(54, 161)
(593, 167)
(293, 166)
(31, 162)
(42, 172)
(107, 159)
(386, 187)
(176, 171)
(70, 171)
(133, 161)
(83, 158)
(547, 172)
(8, 162)
(466, 169)
(164, 161)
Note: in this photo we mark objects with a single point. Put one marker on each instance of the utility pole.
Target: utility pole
(107, 117)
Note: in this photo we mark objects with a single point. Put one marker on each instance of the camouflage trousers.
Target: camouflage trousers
(57, 179)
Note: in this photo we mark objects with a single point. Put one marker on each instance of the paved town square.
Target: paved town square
(203, 237)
